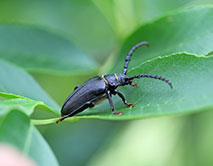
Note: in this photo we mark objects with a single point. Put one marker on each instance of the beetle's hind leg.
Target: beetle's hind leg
(123, 98)
(62, 118)
(109, 96)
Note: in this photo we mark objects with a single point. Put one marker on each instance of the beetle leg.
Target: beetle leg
(109, 96)
(91, 105)
(123, 98)
(76, 87)
(62, 118)
(88, 104)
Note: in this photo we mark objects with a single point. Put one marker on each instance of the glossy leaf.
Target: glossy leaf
(192, 79)
(189, 30)
(25, 137)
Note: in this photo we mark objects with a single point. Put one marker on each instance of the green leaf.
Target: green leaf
(80, 20)
(188, 30)
(42, 50)
(192, 79)
(16, 81)
(135, 12)
(191, 76)
(147, 10)
(64, 135)
(115, 12)
(11, 102)
(25, 137)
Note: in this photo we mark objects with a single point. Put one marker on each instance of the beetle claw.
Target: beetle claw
(58, 121)
(62, 118)
(117, 113)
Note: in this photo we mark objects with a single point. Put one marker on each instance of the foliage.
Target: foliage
(45, 54)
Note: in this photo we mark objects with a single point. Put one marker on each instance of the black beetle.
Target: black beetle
(99, 88)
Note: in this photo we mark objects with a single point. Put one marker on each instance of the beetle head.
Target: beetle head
(115, 80)
(123, 80)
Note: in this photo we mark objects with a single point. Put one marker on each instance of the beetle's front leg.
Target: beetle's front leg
(123, 98)
(109, 96)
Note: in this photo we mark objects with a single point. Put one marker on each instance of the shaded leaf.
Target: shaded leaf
(16, 81)
(65, 135)
(41, 50)
(80, 20)
(25, 137)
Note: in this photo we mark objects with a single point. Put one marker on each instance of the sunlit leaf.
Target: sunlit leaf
(188, 30)
(191, 77)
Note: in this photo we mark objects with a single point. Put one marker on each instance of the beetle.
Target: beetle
(103, 87)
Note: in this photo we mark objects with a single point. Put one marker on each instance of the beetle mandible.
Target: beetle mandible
(101, 87)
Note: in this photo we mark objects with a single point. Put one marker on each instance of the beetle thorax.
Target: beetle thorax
(114, 80)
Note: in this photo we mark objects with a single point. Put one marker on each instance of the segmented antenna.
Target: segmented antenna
(127, 60)
(151, 76)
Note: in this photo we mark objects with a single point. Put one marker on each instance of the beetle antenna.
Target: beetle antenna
(127, 60)
(151, 76)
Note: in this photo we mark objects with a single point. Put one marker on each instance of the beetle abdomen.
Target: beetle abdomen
(100, 99)
(84, 96)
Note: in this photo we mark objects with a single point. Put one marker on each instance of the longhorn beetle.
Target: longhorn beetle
(99, 88)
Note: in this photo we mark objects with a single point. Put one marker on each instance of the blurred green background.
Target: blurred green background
(99, 28)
